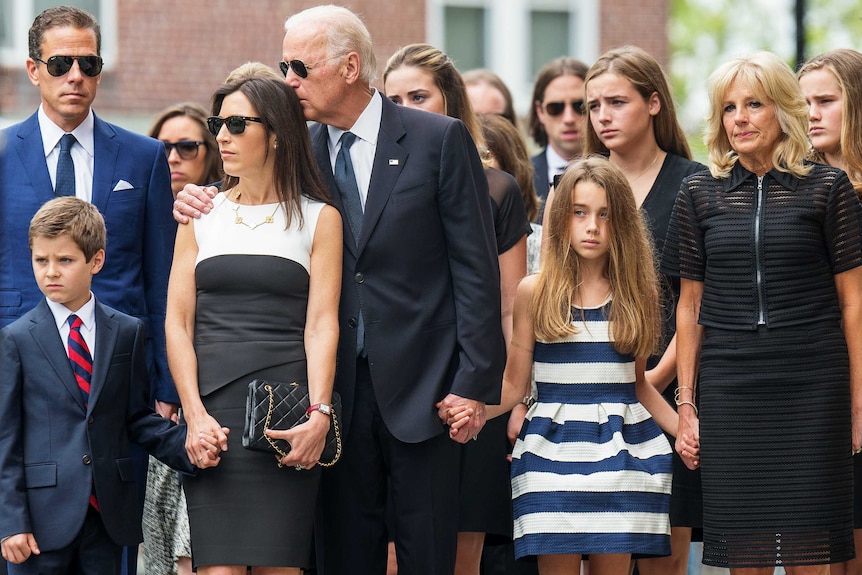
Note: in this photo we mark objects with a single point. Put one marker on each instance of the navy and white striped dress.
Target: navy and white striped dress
(591, 470)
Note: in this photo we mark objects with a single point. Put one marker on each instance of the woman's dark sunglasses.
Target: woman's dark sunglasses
(186, 149)
(60, 65)
(235, 124)
(557, 108)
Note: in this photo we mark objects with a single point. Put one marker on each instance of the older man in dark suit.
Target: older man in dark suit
(420, 304)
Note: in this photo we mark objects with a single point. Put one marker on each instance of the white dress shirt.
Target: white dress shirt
(366, 128)
(82, 152)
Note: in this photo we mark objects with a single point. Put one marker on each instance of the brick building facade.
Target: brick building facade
(159, 52)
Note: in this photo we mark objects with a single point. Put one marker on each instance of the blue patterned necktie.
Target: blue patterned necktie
(345, 179)
(65, 181)
(82, 366)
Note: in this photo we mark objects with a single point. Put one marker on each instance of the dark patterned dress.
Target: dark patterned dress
(773, 381)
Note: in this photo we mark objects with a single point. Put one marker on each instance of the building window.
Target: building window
(16, 17)
(550, 32)
(514, 38)
(465, 36)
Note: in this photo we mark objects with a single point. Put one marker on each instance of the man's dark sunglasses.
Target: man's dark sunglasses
(60, 65)
(186, 149)
(557, 108)
(235, 124)
(300, 68)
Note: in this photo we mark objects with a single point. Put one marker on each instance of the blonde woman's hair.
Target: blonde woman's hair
(252, 70)
(846, 66)
(634, 318)
(772, 81)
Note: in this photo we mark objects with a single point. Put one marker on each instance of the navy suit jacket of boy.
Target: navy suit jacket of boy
(52, 449)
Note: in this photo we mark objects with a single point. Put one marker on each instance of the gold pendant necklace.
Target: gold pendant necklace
(237, 219)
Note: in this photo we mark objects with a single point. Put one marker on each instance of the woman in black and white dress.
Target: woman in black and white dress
(254, 293)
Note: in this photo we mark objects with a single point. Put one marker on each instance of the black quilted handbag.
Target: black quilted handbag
(272, 405)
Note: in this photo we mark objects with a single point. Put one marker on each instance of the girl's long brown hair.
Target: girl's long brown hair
(635, 320)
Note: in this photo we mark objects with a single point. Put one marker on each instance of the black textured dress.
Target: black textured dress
(773, 381)
(686, 504)
(485, 496)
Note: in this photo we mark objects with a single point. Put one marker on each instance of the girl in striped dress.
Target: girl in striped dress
(591, 470)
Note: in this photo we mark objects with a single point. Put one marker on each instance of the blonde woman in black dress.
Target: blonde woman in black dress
(769, 329)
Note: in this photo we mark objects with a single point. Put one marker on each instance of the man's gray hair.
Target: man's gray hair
(345, 33)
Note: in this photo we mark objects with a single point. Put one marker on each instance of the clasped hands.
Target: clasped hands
(465, 417)
(205, 441)
(688, 440)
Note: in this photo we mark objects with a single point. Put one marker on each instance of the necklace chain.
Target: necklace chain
(651, 164)
(238, 219)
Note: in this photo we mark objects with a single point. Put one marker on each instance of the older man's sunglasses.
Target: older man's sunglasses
(60, 65)
(235, 124)
(300, 68)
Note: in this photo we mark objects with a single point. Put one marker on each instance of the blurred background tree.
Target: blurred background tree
(704, 33)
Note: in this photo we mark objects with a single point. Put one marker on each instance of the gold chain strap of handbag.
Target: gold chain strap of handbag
(280, 454)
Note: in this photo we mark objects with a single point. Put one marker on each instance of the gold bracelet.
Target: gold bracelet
(676, 393)
(693, 406)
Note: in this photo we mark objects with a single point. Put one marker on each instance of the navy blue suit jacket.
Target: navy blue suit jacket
(140, 226)
(425, 271)
(52, 449)
(540, 180)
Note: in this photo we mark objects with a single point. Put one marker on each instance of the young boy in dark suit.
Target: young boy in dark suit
(73, 396)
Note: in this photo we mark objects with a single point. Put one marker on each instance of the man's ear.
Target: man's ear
(352, 68)
(32, 71)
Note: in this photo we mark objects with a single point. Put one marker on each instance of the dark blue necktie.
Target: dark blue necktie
(82, 366)
(345, 179)
(65, 181)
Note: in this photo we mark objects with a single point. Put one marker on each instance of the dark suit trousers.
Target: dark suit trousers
(92, 552)
(422, 479)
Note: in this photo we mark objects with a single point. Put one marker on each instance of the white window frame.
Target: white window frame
(507, 30)
(22, 13)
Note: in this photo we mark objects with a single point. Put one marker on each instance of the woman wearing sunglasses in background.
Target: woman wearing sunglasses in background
(194, 158)
(192, 151)
(832, 86)
(421, 76)
(254, 293)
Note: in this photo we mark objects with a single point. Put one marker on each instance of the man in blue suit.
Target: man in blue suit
(125, 175)
(419, 315)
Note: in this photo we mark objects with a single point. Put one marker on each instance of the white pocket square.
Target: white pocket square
(123, 185)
